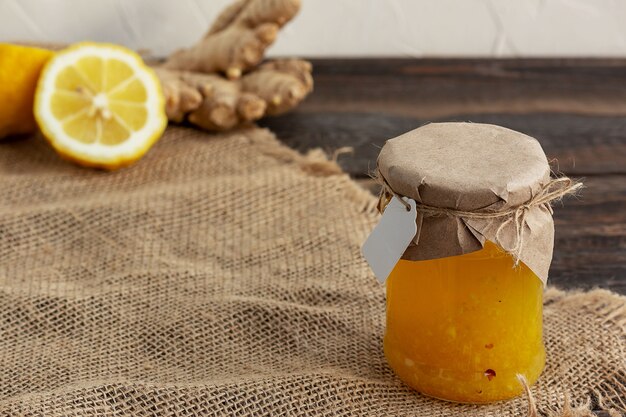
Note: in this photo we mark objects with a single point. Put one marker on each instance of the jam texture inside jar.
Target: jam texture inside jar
(462, 328)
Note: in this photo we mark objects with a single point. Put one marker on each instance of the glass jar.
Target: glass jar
(465, 248)
(462, 328)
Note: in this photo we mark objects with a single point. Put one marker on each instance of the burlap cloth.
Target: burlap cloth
(222, 276)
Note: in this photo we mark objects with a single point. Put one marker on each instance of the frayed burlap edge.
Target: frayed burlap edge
(318, 163)
(609, 396)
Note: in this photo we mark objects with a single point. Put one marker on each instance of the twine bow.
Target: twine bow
(554, 190)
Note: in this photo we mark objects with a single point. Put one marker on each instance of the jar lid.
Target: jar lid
(474, 182)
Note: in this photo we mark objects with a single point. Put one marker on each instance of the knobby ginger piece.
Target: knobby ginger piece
(224, 104)
(283, 84)
(238, 39)
(213, 102)
(180, 97)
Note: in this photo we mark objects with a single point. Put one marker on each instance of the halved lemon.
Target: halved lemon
(99, 105)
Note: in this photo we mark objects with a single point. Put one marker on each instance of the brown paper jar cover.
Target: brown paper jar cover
(469, 167)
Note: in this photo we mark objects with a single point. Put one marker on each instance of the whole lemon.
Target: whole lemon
(19, 72)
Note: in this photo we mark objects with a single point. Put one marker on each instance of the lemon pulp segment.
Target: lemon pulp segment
(100, 105)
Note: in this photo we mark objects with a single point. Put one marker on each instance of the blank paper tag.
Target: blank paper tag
(390, 238)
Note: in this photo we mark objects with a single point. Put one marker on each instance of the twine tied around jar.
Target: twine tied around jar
(554, 190)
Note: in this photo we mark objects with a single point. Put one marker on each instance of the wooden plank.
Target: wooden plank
(591, 236)
(572, 105)
(590, 244)
(427, 88)
(582, 144)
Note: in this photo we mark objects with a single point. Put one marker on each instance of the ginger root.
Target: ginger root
(212, 102)
(238, 39)
(195, 89)
(283, 84)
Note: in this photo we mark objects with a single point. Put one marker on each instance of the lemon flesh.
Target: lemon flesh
(100, 105)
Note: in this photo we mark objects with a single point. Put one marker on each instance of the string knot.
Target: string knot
(554, 190)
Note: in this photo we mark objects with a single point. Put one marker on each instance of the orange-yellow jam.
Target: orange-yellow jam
(461, 328)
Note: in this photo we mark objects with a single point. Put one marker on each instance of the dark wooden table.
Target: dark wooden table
(576, 108)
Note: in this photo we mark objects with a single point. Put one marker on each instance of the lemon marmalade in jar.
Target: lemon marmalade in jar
(464, 303)
(462, 328)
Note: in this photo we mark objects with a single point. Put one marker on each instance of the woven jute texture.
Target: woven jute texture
(221, 275)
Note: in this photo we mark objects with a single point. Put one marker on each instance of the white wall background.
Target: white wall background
(342, 27)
